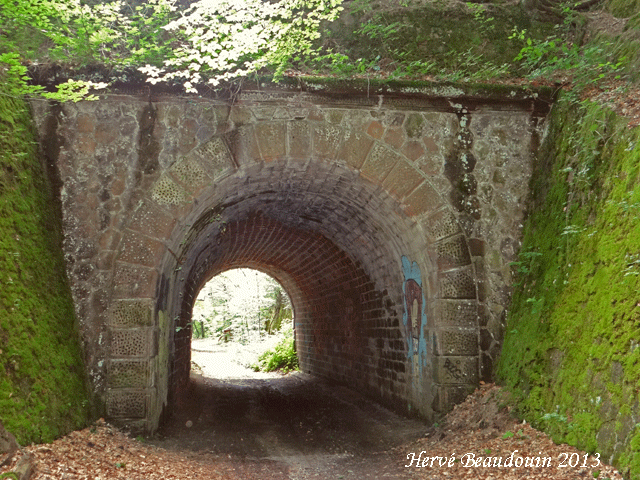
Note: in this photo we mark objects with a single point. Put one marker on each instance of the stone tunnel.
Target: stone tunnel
(389, 215)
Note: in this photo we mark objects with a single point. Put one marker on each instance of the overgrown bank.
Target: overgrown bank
(42, 389)
(571, 345)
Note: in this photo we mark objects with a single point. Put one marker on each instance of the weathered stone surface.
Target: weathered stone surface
(402, 180)
(134, 281)
(379, 163)
(167, 192)
(131, 342)
(272, 140)
(451, 370)
(457, 341)
(131, 313)
(128, 373)
(457, 284)
(126, 403)
(424, 199)
(355, 148)
(140, 250)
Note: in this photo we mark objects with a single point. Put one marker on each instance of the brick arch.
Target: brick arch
(347, 208)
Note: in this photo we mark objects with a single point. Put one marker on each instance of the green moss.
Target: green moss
(585, 221)
(42, 380)
(450, 40)
(623, 8)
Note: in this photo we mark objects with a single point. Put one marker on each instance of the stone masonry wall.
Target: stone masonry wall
(389, 217)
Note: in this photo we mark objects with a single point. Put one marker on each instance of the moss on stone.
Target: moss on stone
(585, 222)
(42, 379)
(456, 37)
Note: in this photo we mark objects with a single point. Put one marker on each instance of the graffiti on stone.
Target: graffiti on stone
(414, 317)
(453, 369)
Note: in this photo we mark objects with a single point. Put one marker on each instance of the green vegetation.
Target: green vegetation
(571, 348)
(42, 389)
(89, 46)
(282, 357)
(240, 305)
(205, 43)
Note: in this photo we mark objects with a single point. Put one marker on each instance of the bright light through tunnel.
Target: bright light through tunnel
(238, 315)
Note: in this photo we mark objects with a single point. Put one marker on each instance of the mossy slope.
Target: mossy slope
(42, 379)
(571, 346)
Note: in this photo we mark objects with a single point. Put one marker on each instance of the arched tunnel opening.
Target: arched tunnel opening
(336, 243)
(239, 319)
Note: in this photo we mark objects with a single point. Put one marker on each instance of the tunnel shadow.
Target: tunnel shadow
(293, 414)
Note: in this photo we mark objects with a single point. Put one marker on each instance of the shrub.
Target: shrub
(281, 357)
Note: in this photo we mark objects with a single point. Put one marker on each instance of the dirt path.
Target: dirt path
(242, 426)
(301, 426)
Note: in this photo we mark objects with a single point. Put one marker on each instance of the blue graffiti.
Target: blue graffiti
(413, 294)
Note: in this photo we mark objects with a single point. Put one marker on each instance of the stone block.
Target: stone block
(326, 139)
(451, 370)
(452, 252)
(152, 221)
(413, 150)
(215, 157)
(414, 125)
(271, 137)
(299, 139)
(441, 224)
(127, 313)
(137, 249)
(187, 135)
(190, 174)
(460, 313)
(448, 396)
(86, 144)
(106, 132)
(130, 342)
(457, 284)
(402, 180)
(243, 145)
(240, 115)
(394, 137)
(355, 149)
(423, 199)
(127, 403)
(379, 163)
(134, 281)
(85, 123)
(166, 191)
(456, 341)
(128, 374)
(375, 129)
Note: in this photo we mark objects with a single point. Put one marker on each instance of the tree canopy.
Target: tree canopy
(204, 44)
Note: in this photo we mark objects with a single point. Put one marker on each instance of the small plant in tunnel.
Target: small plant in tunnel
(282, 357)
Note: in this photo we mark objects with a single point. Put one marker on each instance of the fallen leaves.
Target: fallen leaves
(102, 452)
(479, 433)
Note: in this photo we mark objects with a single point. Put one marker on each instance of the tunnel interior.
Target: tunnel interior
(335, 242)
